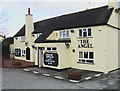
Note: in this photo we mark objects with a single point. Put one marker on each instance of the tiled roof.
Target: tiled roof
(91, 17)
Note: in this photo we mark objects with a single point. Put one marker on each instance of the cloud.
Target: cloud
(53, 0)
(40, 11)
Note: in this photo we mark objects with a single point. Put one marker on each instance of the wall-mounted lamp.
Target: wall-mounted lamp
(73, 50)
(72, 31)
(33, 35)
(33, 46)
(117, 10)
(67, 45)
(56, 34)
(26, 43)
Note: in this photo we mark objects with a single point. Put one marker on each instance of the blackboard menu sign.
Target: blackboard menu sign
(51, 59)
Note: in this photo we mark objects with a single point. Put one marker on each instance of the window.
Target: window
(39, 34)
(80, 33)
(80, 54)
(51, 48)
(64, 34)
(17, 52)
(91, 55)
(67, 33)
(54, 48)
(85, 54)
(60, 34)
(11, 50)
(23, 53)
(86, 57)
(22, 38)
(85, 32)
(89, 32)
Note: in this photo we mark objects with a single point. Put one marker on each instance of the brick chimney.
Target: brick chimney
(113, 3)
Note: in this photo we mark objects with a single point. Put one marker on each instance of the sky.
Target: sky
(14, 11)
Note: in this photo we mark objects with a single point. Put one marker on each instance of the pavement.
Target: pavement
(63, 74)
(0, 78)
(17, 78)
(12, 63)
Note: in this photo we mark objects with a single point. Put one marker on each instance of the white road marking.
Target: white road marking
(74, 81)
(35, 72)
(105, 72)
(26, 70)
(98, 75)
(58, 77)
(111, 83)
(46, 74)
(88, 78)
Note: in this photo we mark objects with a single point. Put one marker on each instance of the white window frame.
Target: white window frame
(82, 33)
(22, 38)
(38, 34)
(85, 58)
(18, 52)
(22, 53)
(64, 32)
(87, 32)
(11, 50)
(51, 48)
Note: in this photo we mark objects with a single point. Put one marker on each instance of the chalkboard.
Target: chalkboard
(51, 59)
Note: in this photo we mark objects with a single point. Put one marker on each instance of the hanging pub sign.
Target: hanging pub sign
(85, 44)
(51, 59)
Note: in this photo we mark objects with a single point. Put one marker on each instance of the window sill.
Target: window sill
(17, 56)
(86, 63)
(64, 38)
(85, 37)
(22, 56)
(51, 51)
(22, 41)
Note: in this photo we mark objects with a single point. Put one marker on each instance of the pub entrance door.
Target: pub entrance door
(27, 53)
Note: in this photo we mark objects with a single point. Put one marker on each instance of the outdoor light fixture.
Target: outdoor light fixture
(67, 45)
(117, 10)
(72, 31)
(73, 50)
(33, 46)
(26, 43)
(33, 35)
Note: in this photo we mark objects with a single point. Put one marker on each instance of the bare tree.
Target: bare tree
(4, 17)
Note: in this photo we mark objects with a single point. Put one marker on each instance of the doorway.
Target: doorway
(27, 53)
(40, 56)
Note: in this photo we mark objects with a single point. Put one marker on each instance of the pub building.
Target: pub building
(88, 40)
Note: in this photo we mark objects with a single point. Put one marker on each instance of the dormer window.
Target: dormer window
(39, 34)
(64, 34)
(22, 38)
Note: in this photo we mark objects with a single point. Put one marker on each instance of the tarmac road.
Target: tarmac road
(16, 78)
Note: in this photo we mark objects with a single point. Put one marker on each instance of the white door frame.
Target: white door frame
(40, 57)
